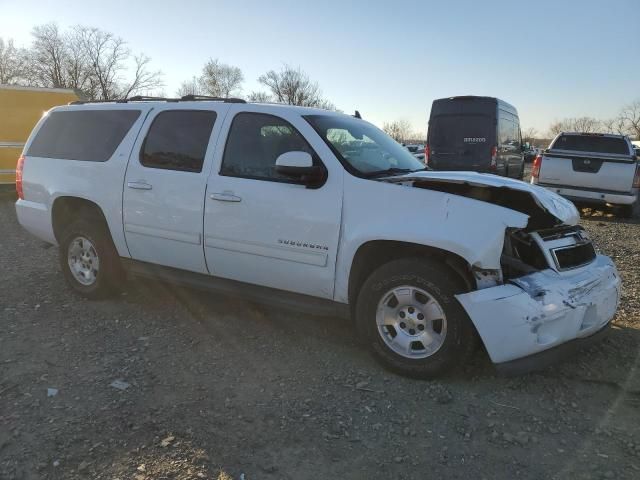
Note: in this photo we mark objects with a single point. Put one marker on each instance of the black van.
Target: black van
(480, 134)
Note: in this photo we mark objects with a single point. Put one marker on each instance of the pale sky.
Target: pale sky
(388, 59)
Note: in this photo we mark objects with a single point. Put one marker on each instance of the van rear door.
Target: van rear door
(461, 142)
(593, 161)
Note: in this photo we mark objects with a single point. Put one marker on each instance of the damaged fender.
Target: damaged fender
(544, 309)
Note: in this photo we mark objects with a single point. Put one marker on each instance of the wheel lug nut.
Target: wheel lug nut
(420, 316)
(402, 324)
(402, 314)
(412, 331)
(411, 310)
(420, 327)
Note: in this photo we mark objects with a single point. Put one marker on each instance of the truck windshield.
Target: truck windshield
(591, 143)
(362, 147)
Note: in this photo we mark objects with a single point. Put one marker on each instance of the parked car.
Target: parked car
(319, 210)
(590, 169)
(480, 134)
(417, 151)
(21, 109)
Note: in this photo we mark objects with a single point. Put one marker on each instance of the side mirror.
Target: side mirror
(299, 166)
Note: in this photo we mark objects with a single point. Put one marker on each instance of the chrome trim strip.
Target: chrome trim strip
(8, 172)
(290, 254)
(11, 145)
(192, 238)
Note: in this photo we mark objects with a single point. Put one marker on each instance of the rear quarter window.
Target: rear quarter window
(589, 143)
(90, 135)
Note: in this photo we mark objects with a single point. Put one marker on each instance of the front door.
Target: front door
(165, 185)
(261, 227)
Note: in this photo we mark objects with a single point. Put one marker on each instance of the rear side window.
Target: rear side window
(591, 143)
(91, 135)
(177, 140)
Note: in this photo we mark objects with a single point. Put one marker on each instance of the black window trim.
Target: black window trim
(315, 156)
(146, 136)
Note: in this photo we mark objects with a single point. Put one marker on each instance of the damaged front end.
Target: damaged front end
(555, 291)
(552, 289)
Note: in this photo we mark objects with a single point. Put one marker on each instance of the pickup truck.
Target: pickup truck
(316, 210)
(590, 169)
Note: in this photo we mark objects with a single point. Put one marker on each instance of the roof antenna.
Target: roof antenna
(357, 115)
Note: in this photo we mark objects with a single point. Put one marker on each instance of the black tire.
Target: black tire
(626, 211)
(109, 275)
(441, 283)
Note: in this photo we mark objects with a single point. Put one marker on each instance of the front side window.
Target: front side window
(362, 148)
(255, 142)
(89, 135)
(177, 140)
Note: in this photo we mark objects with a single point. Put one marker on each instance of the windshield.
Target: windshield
(362, 147)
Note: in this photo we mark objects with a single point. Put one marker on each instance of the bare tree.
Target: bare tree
(47, 57)
(614, 125)
(221, 80)
(529, 135)
(88, 59)
(579, 124)
(12, 63)
(191, 87)
(262, 97)
(293, 87)
(400, 130)
(586, 124)
(630, 115)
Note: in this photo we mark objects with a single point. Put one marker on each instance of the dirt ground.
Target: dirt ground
(217, 388)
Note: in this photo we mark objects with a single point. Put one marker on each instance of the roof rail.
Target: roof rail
(196, 98)
(143, 98)
(136, 98)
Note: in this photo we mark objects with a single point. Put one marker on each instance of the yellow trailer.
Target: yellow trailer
(20, 110)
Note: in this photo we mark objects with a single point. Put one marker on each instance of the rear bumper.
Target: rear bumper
(593, 197)
(36, 219)
(543, 310)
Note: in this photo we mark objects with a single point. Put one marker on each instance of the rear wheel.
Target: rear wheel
(626, 211)
(89, 260)
(407, 314)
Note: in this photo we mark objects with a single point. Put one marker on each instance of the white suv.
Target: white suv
(319, 210)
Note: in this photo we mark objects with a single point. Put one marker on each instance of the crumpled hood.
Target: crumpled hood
(550, 202)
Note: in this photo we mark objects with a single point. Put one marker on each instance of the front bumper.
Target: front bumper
(543, 310)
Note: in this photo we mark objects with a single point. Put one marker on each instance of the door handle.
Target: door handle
(139, 185)
(225, 197)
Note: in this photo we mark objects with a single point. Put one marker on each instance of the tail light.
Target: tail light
(636, 179)
(19, 169)
(494, 159)
(427, 154)
(535, 169)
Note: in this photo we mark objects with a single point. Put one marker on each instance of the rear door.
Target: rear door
(461, 142)
(597, 162)
(165, 185)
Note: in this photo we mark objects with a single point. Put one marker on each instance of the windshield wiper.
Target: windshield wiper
(391, 171)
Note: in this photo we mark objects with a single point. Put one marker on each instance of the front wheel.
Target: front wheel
(408, 315)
